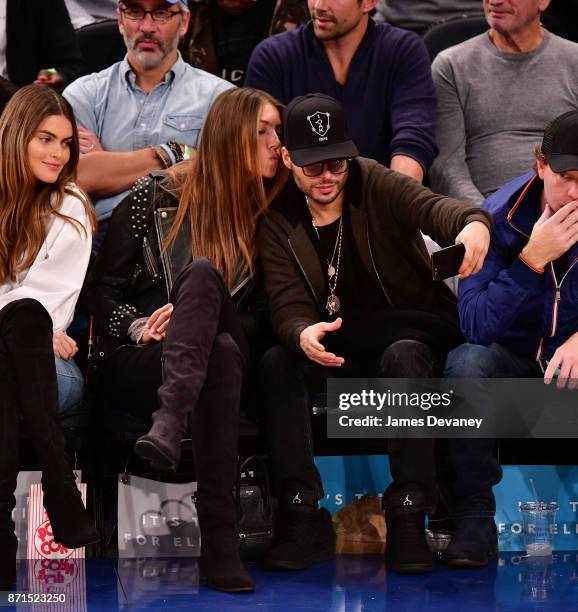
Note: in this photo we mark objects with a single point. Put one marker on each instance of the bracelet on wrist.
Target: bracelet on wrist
(161, 156)
(176, 150)
(169, 153)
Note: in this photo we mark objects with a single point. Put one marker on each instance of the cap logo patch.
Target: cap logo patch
(319, 122)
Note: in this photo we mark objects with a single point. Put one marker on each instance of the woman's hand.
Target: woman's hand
(156, 328)
(64, 346)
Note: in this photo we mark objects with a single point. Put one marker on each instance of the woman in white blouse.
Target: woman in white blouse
(46, 227)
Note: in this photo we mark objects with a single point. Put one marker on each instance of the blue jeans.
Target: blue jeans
(493, 361)
(472, 462)
(70, 388)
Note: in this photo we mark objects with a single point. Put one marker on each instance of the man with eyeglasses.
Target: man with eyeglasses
(349, 284)
(142, 113)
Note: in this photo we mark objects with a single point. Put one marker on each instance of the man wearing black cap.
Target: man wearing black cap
(350, 289)
(520, 313)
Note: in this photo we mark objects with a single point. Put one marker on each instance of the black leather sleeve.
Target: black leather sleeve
(107, 293)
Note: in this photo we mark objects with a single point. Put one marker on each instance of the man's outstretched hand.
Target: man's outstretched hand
(310, 342)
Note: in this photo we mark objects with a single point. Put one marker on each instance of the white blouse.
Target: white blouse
(56, 276)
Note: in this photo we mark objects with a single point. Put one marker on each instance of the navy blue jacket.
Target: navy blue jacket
(508, 301)
(389, 95)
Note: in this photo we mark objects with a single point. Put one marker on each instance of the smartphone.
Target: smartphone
(445, 263)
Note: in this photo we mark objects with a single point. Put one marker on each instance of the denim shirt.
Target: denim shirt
(110, 104)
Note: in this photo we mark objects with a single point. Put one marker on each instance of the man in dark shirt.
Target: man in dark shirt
(222, 34)
(348, 279)
(379, 73)
(38, 44)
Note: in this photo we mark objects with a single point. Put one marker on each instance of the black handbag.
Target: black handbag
(255, 508)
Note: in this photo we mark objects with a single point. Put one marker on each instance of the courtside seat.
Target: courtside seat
(452, 32)
(101, 45)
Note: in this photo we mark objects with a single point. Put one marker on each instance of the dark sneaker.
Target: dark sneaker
(474, 542)
(305, 537)
(406, 548)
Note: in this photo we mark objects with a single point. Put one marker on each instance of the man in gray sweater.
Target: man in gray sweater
(495, 93)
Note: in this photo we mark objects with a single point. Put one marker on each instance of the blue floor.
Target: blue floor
(356, 583)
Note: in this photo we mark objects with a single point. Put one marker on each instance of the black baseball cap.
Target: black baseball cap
(315, 129)
(560, 144)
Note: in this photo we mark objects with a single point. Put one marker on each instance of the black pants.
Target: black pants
(133, 374)
(286, 382)
(193, 380)
(28, 389)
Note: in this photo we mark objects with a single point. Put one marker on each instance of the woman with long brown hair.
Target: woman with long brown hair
(46, 227)
(175, 292)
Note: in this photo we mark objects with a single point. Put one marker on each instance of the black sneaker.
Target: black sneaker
(406, 548)
(305, 537)
(474, 542)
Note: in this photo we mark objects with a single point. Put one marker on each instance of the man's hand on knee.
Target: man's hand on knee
(565, 362)
(310, 342)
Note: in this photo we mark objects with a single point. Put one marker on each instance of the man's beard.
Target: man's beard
(308, 190)
(150, 59)
(337, 32)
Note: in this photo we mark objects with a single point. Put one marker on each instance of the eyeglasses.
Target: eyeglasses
(158, 15)
(335, 166)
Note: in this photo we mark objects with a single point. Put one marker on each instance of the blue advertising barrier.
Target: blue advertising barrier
(349, 477)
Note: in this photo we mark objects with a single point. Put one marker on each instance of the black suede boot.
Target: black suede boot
(202, 308)
(215, 433)
(406, 549)
(306, 537)
(26, 334)
(474, 542)
(162, 444)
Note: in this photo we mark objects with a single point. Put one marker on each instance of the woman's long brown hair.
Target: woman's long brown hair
(25, 202)
(224, 194)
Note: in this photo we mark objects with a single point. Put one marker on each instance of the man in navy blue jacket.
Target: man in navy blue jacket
(519, 313)
(380, 74)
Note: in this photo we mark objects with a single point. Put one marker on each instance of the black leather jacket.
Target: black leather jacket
(132, 276)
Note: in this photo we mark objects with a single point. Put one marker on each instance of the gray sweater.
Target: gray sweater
(492, 110)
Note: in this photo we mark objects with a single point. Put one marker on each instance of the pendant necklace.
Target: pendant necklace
(333, 304)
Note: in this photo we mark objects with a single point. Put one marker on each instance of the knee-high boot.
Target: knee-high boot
(215, 431)
(8, 475)
(202, 309)
(26, 333)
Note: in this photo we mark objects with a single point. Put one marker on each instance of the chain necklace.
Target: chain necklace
(333, 303)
